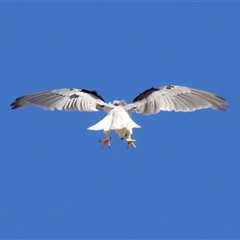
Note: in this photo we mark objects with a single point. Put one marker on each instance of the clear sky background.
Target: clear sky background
(182, 181)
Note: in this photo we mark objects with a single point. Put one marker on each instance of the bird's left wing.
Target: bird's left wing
(63, 99)
(175, 98)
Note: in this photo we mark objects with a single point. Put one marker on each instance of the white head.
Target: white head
(119, 103)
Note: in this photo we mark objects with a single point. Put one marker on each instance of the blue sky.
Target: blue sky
(182, 181)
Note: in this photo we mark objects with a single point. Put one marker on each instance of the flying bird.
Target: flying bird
(151, 101)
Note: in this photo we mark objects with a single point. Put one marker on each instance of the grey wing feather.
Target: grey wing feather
(63, 99)
(175, 98)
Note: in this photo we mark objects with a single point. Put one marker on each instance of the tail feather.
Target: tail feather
(104, 124)
(115, 120)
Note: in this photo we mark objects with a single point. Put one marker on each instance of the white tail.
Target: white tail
(117, 118)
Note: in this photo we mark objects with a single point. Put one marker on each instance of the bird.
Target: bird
(119, 113)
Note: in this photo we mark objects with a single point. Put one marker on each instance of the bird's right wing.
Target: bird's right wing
(63, 99)
(175, 98)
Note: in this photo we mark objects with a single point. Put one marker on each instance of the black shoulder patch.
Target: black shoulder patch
(73, 96)
(169, 86)
(93, 93)
(145, 94)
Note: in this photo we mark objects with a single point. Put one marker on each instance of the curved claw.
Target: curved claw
(130, 142)
(105, 141)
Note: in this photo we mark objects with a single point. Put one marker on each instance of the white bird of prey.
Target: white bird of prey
(151, 101)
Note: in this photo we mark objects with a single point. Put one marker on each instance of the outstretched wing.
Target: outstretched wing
(175, 98)
(63, 99)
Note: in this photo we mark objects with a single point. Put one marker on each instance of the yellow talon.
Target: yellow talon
(131, 142)
(106, 140)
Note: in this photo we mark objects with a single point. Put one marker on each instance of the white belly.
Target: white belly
(122, 132)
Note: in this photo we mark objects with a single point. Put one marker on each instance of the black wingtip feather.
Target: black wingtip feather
(15, 105)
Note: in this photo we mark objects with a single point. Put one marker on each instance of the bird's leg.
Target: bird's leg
(129, 140)
(106, 140)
